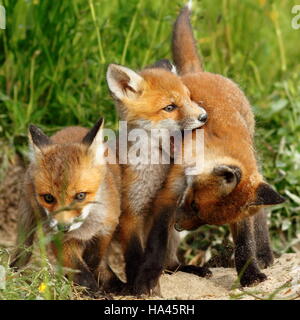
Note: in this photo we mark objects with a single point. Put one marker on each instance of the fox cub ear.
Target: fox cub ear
(267, 196)
(165, 64)
(37, 140)
(123, 82)
(94, 139)
(229, 177)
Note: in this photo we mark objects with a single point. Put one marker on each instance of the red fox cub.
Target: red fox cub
(229, 189)
(154, 98)
(69, 188)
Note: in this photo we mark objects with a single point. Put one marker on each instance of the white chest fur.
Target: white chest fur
(149, 179)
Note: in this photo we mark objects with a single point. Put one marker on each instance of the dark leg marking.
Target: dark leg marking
(245, 253)
(155, 253)
(133, 259)
(91, 254)
(264, 252)
(85, 278)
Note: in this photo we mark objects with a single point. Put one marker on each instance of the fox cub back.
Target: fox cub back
(70, 189)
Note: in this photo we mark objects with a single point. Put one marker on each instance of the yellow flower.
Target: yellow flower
(262, 2)
(42, 287)
(274, 15)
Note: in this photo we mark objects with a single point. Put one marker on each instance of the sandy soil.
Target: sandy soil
(223, 285)
(283, 281)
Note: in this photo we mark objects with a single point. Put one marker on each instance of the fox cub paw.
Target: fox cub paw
(198, 271)
(99, 295)
(115, 286)
(146, 279)
(265, 260)
(252, 279)
(87, 280)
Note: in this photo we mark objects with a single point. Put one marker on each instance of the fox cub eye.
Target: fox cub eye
(49, 198)
(80, 196)
(170, 108)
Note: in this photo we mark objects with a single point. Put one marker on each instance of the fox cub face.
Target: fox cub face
(154, 99)
(67, 177)
(224, 195)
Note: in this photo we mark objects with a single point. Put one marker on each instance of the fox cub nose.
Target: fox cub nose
(203, 117)
(64, 227)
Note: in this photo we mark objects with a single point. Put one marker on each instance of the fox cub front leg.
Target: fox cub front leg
(245, 252)
(264, 251)
(95, 256)
(71, 256)
(155, 254)
(130, 239)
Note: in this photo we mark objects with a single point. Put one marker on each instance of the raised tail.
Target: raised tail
(184, 48)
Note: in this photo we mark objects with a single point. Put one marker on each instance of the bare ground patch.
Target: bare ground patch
(222, 285)
(9, 199)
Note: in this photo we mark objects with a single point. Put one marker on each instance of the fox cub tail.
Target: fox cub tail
(184, 47)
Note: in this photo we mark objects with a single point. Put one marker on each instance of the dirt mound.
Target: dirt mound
(9, 199)
(283, 275)
(223, 285)
(283, 281)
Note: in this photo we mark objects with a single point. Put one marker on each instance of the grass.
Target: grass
(36, 283)
(40, 280)
(54, 55)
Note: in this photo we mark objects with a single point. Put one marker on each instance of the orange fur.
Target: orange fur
(228, 139)
(69, 135)
(226, 134)
(186, 57)
(162, 88)
(159, 89)
(63, 171)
